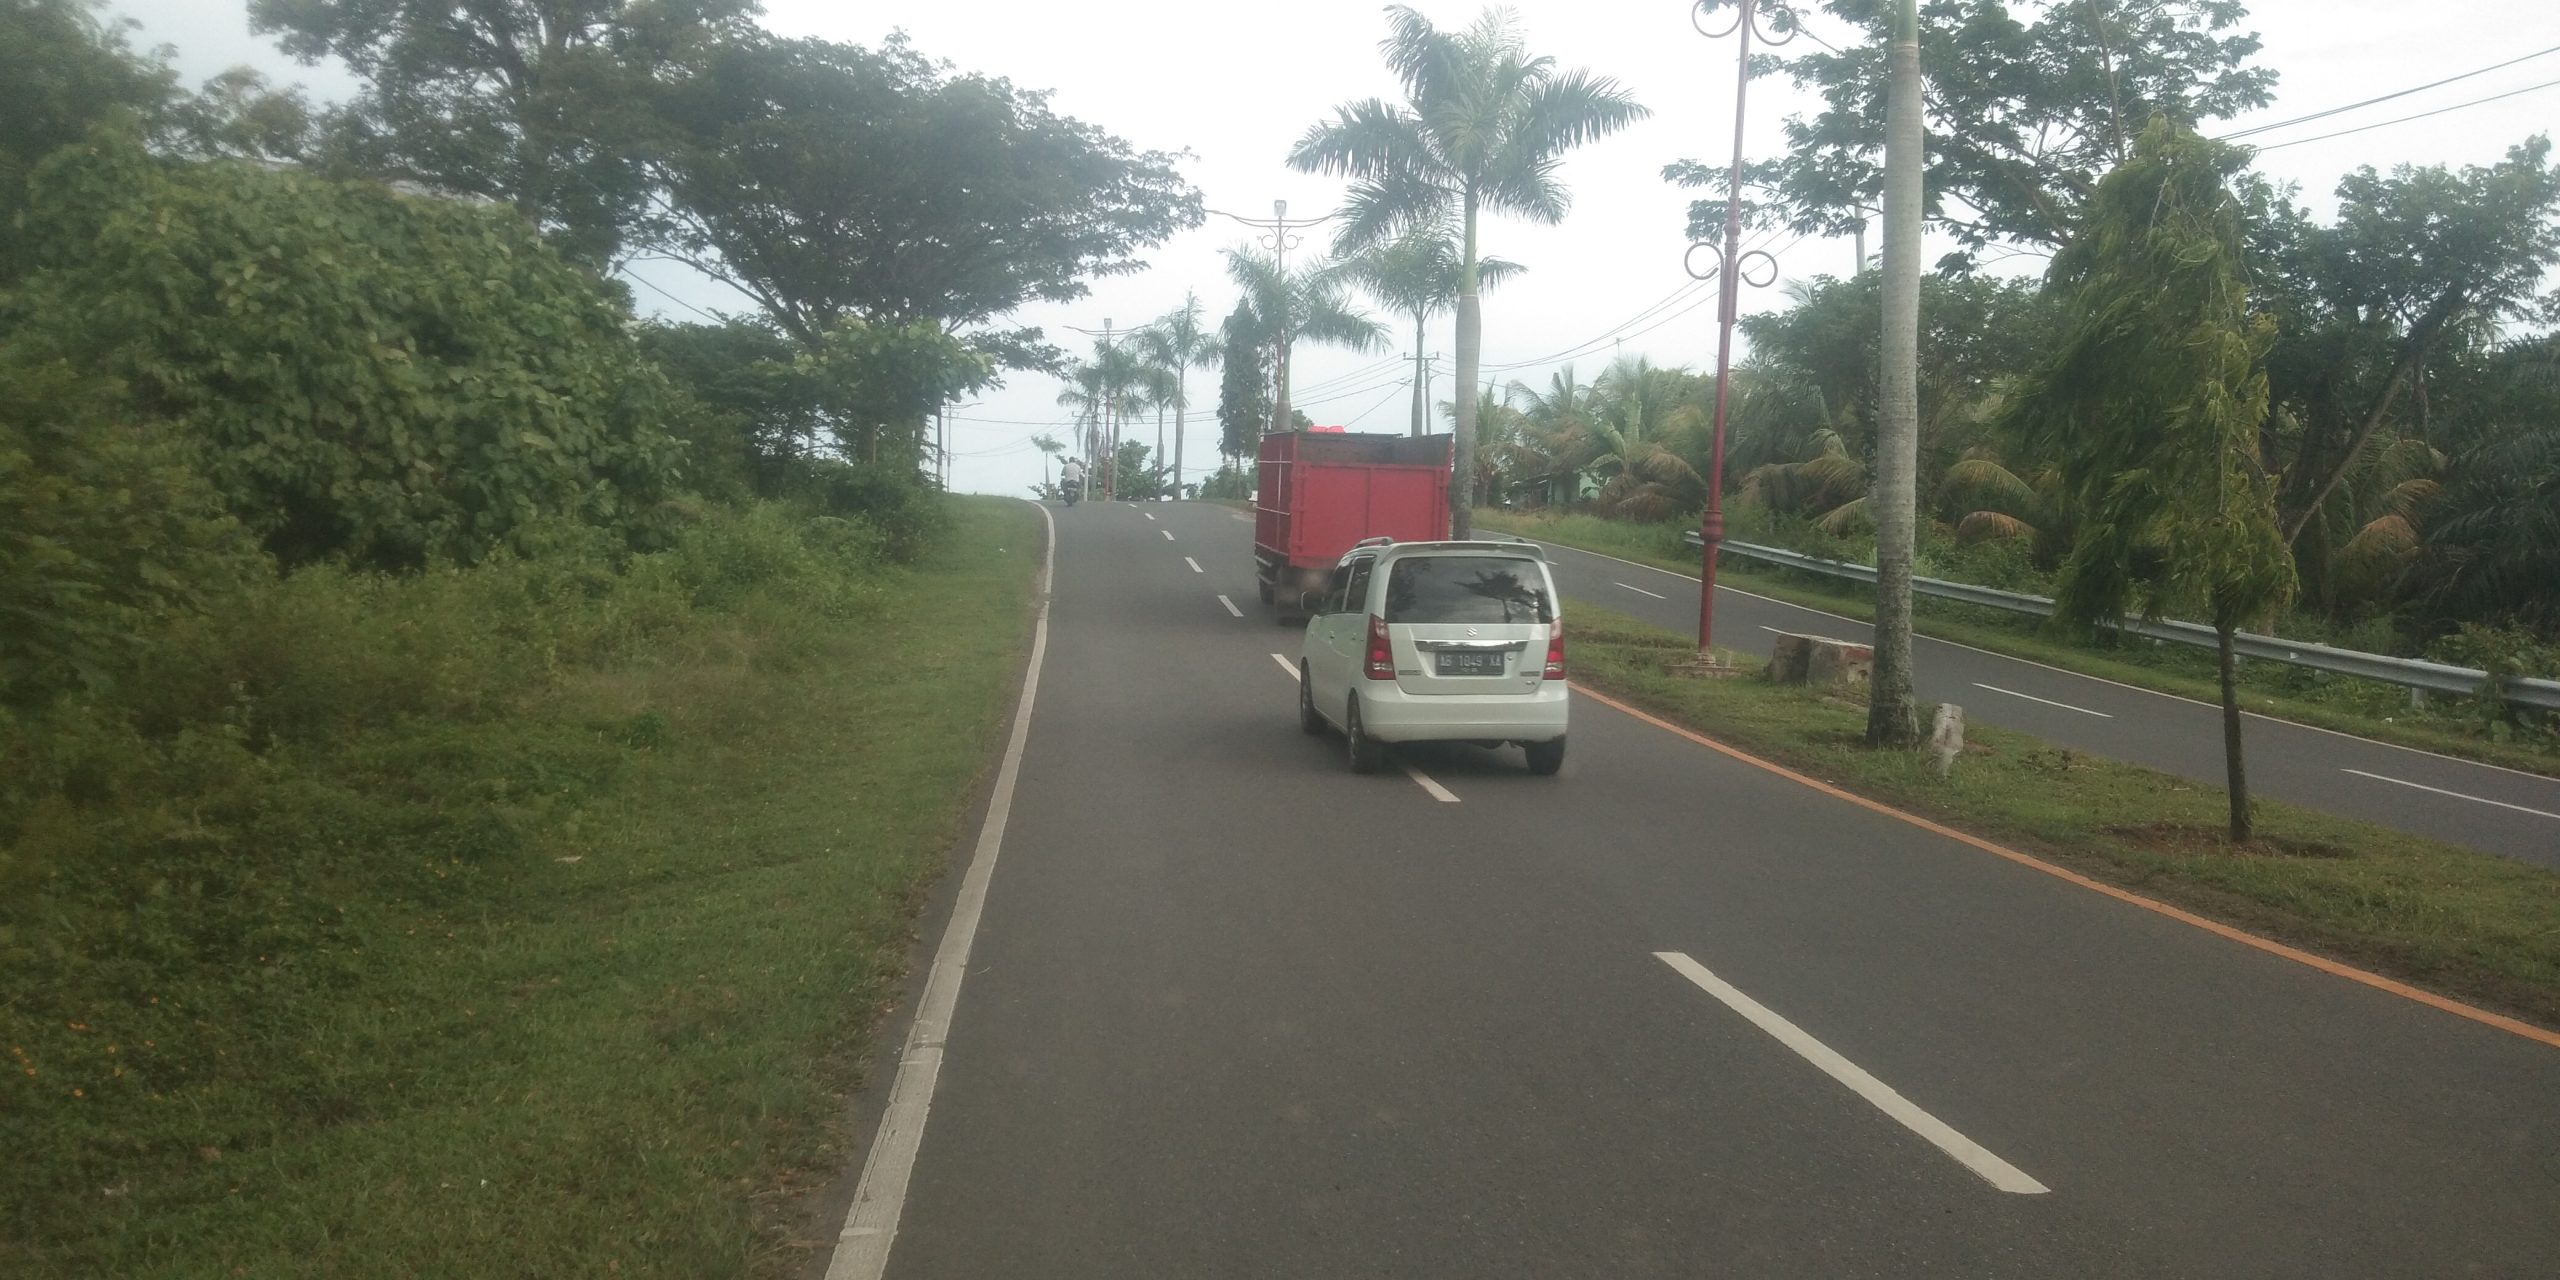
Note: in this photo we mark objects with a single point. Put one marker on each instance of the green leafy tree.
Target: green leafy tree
(1244, 391)
(1975, 331)
(1483, 128)
(1420, 273)
(878, 385)
(1300, 305)
(828, 181)
(1133, 480)
(2491, 519)
(2153, 402)
(384, 378)
(2028, 106)
(2422, 262)
(63, 73)
(762, 410)
(541, 104)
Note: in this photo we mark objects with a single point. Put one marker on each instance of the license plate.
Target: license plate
(1464, 663)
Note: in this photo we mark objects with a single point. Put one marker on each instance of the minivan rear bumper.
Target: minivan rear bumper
(1389, 714)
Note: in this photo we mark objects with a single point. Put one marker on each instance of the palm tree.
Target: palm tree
(1893, 716)
(1178, 341)
(1556, 442)
(1292, 305)
(1482, 128)
(1642, 411)
(1420, 272)
(1159, 386)
(1124, 392)
(1084, 395)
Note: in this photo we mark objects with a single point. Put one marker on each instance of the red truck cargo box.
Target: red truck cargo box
(1317, 493)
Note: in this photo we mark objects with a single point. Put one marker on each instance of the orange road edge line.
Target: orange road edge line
(2502, 1022)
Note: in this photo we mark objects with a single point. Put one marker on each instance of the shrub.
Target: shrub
(905, 512)
(105, 524)
(384, 378)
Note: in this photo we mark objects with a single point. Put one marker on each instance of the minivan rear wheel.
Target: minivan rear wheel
(1546, 757)
(1367, 753)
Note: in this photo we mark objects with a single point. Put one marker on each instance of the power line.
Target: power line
(1685, 288)
(1296, 402)
(1012, 422)
(2319, 115)
(1618, 332)
(1399, 390)
(1369, 370)
(2278, 146)
(715, 319)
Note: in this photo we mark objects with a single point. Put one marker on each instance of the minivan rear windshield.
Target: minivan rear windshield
(1479, 589)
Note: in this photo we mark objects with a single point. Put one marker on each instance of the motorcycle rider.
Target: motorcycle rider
(1071, 480)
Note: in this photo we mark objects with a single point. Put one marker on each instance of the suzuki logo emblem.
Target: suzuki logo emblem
(1471, 631)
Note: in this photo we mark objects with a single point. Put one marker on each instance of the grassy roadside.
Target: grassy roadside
(2347, 705)
(602, 1022)
(2466, 924)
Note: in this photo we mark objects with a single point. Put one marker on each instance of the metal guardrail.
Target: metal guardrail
(2414, 673)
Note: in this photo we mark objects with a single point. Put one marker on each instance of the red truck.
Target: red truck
(1318, 492)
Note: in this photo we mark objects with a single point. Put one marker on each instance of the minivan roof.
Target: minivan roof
(1524, 550)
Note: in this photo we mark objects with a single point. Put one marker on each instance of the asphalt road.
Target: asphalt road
(1234, 1011)
(2480, 806)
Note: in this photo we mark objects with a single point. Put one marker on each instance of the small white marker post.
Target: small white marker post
(1946, 737)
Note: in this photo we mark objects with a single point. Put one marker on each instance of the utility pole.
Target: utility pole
(1111, 412)
(1422, 369)
(1728, 273)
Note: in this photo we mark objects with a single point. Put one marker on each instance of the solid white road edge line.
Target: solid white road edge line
(1438, 792)
(2540, 813)
(1195, 565)
(1286, 665)
(1994, 1170)
(871, 1223)
(1642, 592)
(1231, 606)
(2064, 671)
(2047, 701)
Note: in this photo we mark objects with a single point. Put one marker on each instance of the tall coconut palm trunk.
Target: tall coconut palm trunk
(1893, 719)
(1462, 461)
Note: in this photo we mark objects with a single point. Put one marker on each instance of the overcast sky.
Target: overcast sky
(1235, 85)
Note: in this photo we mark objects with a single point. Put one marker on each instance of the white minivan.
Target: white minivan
(1436, 642)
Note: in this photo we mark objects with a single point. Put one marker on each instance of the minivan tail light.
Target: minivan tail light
(1555, 650)
(1381, 664)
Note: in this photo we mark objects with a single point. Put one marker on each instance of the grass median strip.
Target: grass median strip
(2343, 704)
(613, 1038)
(2467, 925)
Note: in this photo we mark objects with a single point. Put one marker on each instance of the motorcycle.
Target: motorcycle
(1071, 490)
